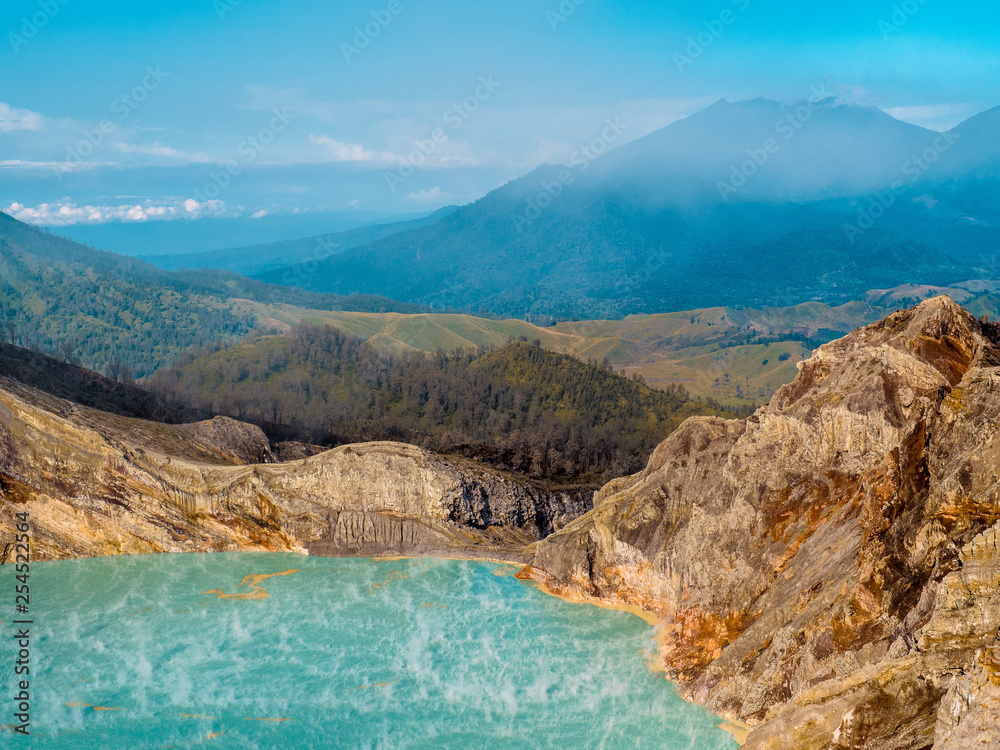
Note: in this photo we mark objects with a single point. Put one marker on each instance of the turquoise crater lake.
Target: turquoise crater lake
(216, 651)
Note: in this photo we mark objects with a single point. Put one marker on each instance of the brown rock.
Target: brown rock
(98, 484)
(838, 546)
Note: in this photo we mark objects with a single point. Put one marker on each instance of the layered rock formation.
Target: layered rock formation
(828, 569)
(97, 484)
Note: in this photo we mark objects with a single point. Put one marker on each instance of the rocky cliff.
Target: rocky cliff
(828, 569)
(97, 483)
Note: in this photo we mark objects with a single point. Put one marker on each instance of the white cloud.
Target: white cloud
(158, 149)
(858, 96)
(434, 195)
(41, 165)
(12, 119)
(66, 212)
(549, 151)
(258, 214)
(351, 151)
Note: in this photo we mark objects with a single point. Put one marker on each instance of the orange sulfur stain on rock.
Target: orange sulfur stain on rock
(213, 735)
(253, 583)
(105, 708)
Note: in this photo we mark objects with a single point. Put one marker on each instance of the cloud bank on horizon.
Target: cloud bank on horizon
(117, 112)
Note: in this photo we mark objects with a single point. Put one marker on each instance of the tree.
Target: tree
(66, 349)
(114, 368)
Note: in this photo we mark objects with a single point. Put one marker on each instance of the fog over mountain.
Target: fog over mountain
(748, 203)
(810, 148)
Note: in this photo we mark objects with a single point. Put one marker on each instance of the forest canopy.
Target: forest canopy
(518, 407)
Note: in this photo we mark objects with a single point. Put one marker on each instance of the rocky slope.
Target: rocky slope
(97, 483)
(83, 386)
(826, 570)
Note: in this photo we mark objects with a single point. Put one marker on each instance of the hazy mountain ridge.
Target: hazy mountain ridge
(257, 259)
(822, 147)
(661, 224)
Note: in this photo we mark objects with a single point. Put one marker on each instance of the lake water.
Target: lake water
(186, 651)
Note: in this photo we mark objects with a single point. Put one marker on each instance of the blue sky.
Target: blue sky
(310, 117)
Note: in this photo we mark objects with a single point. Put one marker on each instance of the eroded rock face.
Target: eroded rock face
(99, 484)
(826, 570)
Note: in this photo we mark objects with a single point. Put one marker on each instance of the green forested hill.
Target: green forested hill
(90, 306)
(518, 406)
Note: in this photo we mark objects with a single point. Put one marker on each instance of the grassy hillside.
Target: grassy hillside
(518, 407)
(96, 308)
(670, 348)
(621, 340)
(733, 375)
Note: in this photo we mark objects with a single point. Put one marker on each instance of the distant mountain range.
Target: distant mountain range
(258, 259)
(646, 229)
(148, 238)
(749, 203)
(114, 313)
